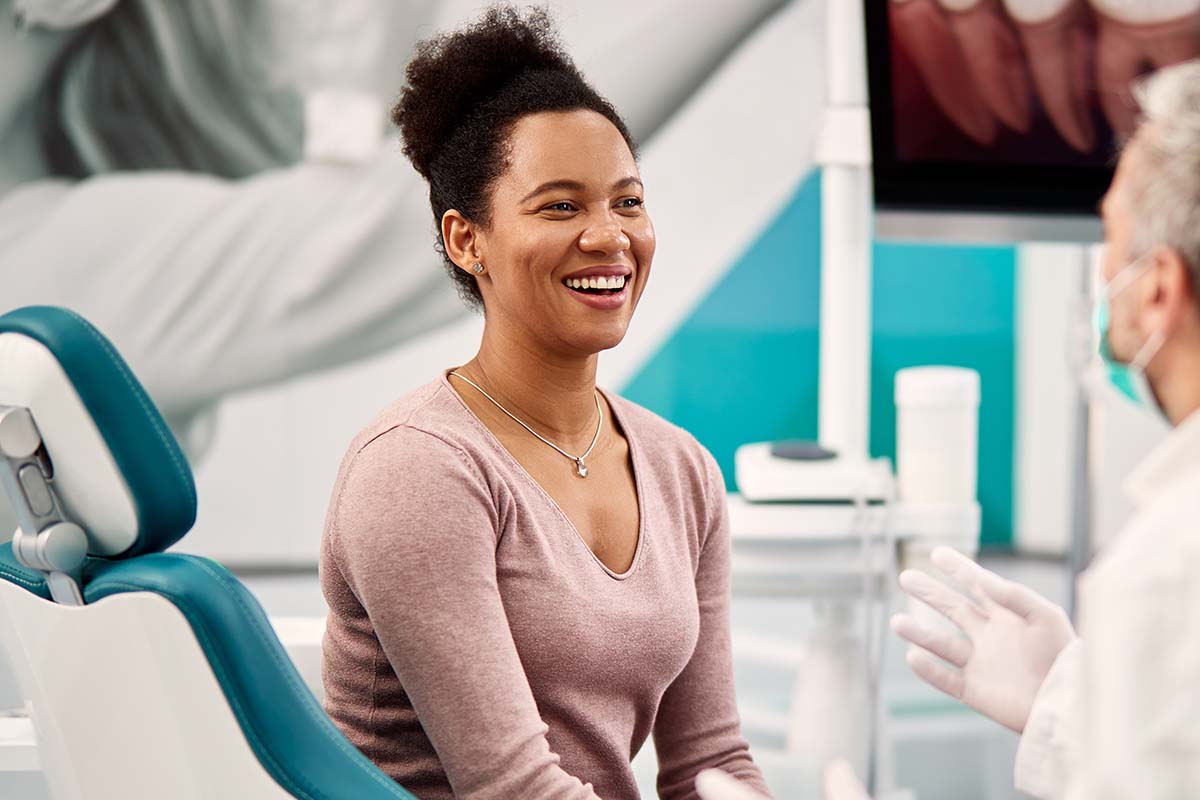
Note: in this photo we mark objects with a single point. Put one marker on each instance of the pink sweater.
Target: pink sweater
(476, 648)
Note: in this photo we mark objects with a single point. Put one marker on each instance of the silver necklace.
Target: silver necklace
(580, 466)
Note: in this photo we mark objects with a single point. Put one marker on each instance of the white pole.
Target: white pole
(846, 204)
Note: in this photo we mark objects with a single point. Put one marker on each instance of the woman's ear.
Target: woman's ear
(461, 239)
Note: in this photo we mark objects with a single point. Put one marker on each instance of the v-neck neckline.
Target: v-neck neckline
(634, 460)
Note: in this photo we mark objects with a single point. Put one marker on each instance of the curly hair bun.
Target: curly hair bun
(466, 91)
(456, 73)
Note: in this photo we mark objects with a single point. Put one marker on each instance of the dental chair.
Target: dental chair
(148, 674)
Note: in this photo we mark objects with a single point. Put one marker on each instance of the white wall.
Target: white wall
(1050, 281)
(1055, 330)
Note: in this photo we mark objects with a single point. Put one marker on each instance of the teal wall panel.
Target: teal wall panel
(951, 306)
(743, 367)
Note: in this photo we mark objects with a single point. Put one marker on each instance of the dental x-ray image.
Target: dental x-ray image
(1004, 79)
(1029, 97)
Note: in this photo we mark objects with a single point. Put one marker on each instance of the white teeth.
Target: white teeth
(615, 282)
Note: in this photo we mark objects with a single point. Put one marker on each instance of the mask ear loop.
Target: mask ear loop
(1148, 351)
(1127, 275)
(1122, 281)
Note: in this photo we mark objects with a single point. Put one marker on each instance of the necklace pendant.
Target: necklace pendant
(581, 468)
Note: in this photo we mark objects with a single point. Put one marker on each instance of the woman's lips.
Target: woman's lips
(603, 302)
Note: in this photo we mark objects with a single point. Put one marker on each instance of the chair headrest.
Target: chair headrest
(118, 470)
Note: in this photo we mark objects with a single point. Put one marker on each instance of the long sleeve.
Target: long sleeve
(1049, 749)
(698, 726)
(419, 553)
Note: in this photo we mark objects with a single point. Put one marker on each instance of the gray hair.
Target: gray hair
(170, 84)
(1166, 196)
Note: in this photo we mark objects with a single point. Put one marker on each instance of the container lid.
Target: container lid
(937, 386)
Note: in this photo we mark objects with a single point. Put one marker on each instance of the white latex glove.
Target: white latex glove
(1012, 636)
(840, 784)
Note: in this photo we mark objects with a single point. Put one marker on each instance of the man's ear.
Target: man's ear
(461, 239)
(1173, 293)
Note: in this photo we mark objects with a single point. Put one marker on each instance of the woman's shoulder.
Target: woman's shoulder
(416, 453)
(405, 471)
(427, 421)
(663, 443)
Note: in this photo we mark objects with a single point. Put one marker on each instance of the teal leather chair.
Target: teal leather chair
(149, 674)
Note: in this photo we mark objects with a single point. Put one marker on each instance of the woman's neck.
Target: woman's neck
(553, 394)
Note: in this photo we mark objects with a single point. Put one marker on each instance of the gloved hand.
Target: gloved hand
(840, 784)
(1013, 635)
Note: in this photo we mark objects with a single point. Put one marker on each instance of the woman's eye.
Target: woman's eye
(630, 202)
(563, 206)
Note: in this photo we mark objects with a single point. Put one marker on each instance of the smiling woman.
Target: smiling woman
(528, 576)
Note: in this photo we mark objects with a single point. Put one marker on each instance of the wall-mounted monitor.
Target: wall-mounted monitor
(999, 119)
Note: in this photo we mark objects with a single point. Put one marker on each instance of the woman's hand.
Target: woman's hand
(1012, 635)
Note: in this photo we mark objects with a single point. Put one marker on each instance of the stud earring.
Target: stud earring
(477, 269)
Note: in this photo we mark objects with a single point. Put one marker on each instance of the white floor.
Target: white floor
(940, 751)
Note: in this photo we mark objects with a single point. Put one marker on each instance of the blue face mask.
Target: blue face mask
(1129, 379)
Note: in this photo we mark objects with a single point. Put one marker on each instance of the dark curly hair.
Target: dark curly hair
(465, 91)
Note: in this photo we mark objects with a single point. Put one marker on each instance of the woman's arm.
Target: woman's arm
(414, 531)
(698, 726)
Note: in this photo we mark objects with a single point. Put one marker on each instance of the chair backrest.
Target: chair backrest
(120, 713)
(117, 469)
(167, 680)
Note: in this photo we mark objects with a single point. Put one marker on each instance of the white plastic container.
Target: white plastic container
(937, 435)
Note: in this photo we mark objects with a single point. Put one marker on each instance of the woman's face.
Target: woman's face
(569, 209)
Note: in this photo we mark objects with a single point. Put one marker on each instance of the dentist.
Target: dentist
(1110, 713)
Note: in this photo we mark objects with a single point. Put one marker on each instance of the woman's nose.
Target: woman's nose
(606, 237)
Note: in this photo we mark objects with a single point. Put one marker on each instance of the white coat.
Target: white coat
(1119, 713)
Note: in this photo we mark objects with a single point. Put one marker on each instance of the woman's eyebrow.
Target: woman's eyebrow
(576, 186)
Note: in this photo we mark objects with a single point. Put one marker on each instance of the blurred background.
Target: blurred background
(214, 185)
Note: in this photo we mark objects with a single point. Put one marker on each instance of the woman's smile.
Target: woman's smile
(601, 287)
